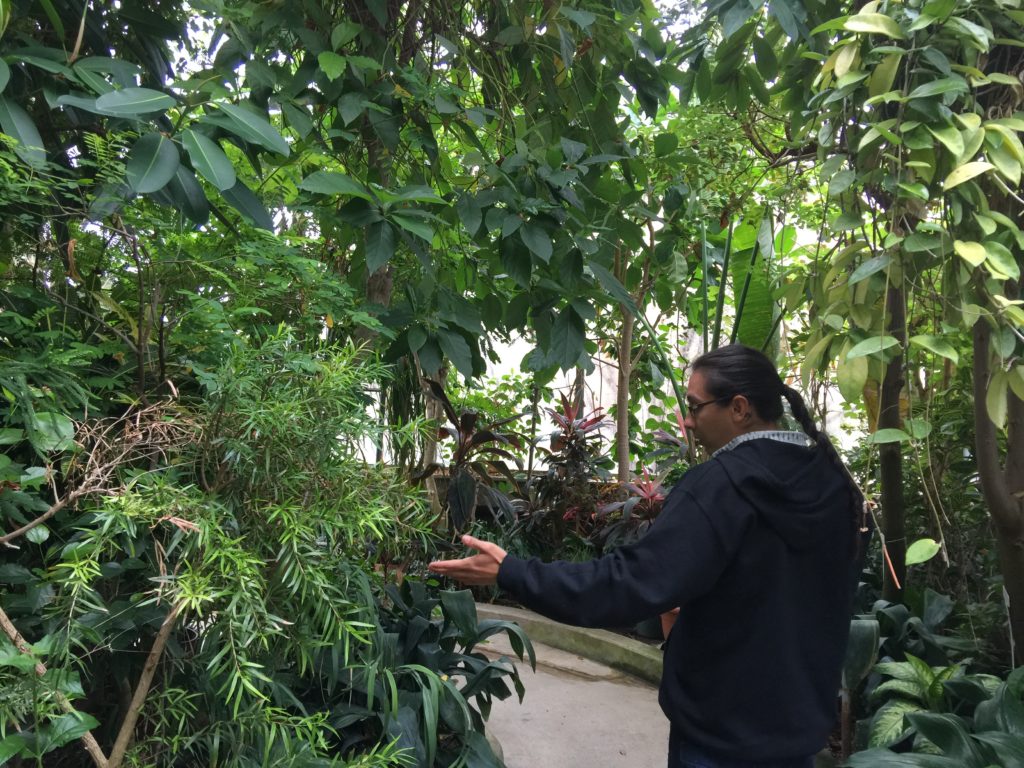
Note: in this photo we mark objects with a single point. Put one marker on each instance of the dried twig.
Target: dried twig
(110, 445)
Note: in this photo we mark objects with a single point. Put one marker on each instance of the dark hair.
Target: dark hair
(740, 370)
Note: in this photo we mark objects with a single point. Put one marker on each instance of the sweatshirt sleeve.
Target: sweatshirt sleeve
(680, 558)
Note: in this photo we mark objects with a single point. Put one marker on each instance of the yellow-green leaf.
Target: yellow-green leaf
(884, 75)
(1016, 381)
(846, 59)
(950, 137)
(971, 252)
(921, 551)
(999, 261)
(875, 24)
(966, 172)
(852, 376)
(995, 399)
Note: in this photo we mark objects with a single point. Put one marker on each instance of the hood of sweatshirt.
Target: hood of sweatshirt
(793, 488)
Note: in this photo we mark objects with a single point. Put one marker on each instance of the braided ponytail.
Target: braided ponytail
(803, 416)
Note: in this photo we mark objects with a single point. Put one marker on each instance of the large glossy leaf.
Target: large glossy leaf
(51, 432)
(131, 102)
(966, 172)
(873, 346)
(5, 75)
(861, 651)
(255, 128)
(874, 23)
(16, 123)
(188, 196)
(568, 334)
(887, 726)
(152, 162)
(461, 609)
(380, 245)
(937, 345)
(251, 207)
(209, 159)
(334, 183)
(948, 733)
(456, 349)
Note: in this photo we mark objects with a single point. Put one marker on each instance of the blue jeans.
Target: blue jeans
(683, 755)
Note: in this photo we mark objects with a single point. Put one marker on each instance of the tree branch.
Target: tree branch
(124, 735)
(88, 740)
(997, 496)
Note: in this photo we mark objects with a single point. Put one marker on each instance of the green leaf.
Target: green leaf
(152, 162)
(852, 375)
(884, 74)
(333, 183)
(874, 23)
(131, 102)
(470, 213)
(921, 551)
(344, 33)
(332, 64)
(461, 609)
(861, 651)
(888, 436)
(887, 726)
(966, 172)
(870, 267)
(5, 74)
(568, 335)
(380, 245)
(16, 123)
(415, 226)
(611, 284)
(996, 398)
(209, 159)
(971, 252)
(242, 199)
(950, 137)
(51, 432)
(1000, 262)
(38, 535)
(188, 196)
(665, 144)
(256, 126)
(583, 19)
(937, 345)
(872, 346)
(456, 349)
(918, 429)
(949, 734)
(951, 84)
(67, 728)
(537, 240)
(572, 151)
(14, 742)
(1016, 380)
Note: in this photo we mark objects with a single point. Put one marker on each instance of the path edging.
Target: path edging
(616, 651)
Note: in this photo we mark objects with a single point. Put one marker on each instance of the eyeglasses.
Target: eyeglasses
(694, 407)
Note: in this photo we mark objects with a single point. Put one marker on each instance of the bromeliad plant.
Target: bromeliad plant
(480, 452)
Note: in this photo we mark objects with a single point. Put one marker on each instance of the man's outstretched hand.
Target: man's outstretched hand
(475, 570)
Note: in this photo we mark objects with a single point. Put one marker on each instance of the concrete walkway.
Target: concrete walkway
(577, 713)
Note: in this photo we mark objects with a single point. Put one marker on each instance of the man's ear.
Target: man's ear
(741, 409)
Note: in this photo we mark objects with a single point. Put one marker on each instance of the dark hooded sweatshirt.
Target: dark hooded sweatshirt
(756, 547)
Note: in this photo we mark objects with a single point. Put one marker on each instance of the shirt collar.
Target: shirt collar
(795, 438)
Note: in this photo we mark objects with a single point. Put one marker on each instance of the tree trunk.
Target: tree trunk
(1002, 487)
(890, 458)
(622, 395)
